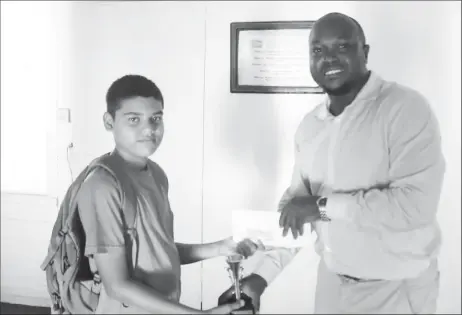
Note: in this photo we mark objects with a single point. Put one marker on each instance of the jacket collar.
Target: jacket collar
(369, 91)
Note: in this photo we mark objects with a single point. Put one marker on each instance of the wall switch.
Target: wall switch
(63, 115)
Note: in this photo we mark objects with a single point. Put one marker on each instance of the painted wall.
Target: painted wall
(223, 151)
(29, 92)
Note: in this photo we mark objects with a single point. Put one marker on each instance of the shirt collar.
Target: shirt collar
(369, 91)
(129, 165)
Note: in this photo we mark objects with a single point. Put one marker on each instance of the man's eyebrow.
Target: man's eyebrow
(132, 113)
(341, 39)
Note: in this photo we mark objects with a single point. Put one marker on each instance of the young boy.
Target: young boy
(134, 116)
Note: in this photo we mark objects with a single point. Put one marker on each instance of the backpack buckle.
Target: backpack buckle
(96, 278)
(96, 286)
(57, 304)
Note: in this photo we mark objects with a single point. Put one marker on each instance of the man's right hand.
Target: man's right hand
(253, 286)
(225, 308)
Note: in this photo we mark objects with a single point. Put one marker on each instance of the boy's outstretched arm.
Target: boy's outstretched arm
(112, 268)
(191, 253)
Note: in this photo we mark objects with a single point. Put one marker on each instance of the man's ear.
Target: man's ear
(108, 121)
(366, 52)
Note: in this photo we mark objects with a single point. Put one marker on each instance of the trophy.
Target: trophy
(235, 273)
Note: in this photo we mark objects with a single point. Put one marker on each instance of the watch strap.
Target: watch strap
(322, 202)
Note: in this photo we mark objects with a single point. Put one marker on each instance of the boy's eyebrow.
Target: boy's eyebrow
(140, 114)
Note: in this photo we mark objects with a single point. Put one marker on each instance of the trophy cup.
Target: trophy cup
(235, 273)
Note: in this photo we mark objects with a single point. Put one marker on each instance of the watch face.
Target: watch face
(323, 202)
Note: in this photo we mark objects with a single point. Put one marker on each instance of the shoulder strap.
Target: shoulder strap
(66, 212)
(112, 165)
(129, 204)
(115, 167)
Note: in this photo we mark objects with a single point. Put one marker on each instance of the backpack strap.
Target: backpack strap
(66, 213)
(117, 166)
(59, 283)
(110, 163)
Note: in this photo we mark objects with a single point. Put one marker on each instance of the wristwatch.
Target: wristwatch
(322, 202)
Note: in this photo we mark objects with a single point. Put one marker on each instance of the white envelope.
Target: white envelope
(264, 226)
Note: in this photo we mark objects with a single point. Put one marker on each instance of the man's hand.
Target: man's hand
(245, 247)
(253, 286)
(225, 308)
(297, 212)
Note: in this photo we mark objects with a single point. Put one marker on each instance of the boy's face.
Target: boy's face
(137, 127)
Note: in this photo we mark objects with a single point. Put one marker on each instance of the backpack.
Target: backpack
(72, 287)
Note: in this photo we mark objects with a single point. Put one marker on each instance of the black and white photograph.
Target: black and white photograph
(230, 157)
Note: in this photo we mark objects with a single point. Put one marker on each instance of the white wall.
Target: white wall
(28, 98)
(26, 225)
(249, 138)
(29, 89)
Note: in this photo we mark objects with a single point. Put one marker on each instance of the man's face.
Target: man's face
(138, 126)
(338, 57)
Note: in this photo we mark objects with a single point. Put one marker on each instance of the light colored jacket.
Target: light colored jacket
(380, 165)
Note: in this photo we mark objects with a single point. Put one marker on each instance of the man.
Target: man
(368, 174)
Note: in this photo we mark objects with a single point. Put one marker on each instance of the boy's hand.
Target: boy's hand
(245, 247)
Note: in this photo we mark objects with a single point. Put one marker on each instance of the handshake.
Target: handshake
(264, 226)
(235, 300)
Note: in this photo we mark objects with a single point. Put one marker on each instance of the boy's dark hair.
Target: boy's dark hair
(129, 86)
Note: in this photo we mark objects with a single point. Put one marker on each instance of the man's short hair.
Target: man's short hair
(362, 36)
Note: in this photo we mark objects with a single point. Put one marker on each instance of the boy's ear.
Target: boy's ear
(108, 121)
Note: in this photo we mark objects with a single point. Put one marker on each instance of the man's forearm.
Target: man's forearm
(273, 262)
(135, 293)
(191, 253)
(406, 208)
